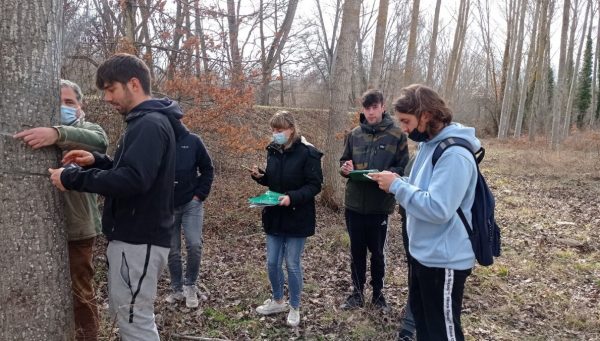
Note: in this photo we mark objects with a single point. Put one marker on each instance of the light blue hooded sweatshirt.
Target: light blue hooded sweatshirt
(431, 196)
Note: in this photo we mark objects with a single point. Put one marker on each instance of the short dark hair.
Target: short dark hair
(122, 67)
(416, 99)
(372, 97)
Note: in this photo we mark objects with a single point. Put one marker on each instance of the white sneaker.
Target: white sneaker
(174, 297)
(271, 307)
(191, 299)
(294, 317)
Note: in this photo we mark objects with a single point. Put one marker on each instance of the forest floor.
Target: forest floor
(545, 286)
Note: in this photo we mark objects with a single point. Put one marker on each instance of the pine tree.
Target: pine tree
(584, 93)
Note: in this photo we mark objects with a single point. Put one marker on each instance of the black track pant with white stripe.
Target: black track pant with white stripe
(436, 301)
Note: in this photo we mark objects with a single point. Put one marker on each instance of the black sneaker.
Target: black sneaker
(379, 302)
(355, 300)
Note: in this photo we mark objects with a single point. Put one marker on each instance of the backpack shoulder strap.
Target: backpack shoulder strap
(456, 141)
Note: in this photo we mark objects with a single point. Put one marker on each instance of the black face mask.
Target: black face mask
(418, 136)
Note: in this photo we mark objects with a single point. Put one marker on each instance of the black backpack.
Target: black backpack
(485, 234)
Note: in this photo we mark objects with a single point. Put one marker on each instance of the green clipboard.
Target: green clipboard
(269, 198)
(359, 175)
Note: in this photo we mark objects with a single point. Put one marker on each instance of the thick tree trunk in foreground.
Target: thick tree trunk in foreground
(333, 189)
(35, 293)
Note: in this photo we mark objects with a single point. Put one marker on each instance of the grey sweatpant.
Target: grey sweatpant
(133, 271)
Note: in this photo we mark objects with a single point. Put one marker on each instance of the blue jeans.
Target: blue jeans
(188, 217)
(291, 249)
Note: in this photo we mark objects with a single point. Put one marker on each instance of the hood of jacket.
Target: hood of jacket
(456, 130)
(386, 122)
(166, 107)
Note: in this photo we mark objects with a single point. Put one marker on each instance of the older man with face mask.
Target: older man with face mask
(81, 209)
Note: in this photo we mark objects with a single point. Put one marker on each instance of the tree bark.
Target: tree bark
(541, 68)
(573, 83)
(595, 92)
(514, 66)
(560, 84)
(35, 288)
(375, 72)
(411, 50)
(528, 71)
(333, 188)
(433, 44)
(236, 58)
(457, 47)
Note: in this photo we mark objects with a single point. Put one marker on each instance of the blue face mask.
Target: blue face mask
(280, 138)
(68, 115)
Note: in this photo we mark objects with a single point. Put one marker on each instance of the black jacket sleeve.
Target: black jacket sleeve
(101, 161)
(313, 175)
(205, 166)
(136, 169)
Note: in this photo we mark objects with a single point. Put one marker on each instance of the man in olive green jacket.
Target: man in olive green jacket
(81, 209)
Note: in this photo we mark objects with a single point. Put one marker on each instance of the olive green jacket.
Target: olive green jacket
(81, 209)
(383, 147)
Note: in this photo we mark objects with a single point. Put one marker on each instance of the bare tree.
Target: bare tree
(528, 70)
(35, 288)
(457, 48)
(338, 111)
(561, 84)
(595, 91)
(573, 82)
(514, 65)
(375, 72)
(541, 66)
(237, 74)
(433, 43)
(412, 44)
(270, 58)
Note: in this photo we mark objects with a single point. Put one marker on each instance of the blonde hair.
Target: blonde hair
(284, 120)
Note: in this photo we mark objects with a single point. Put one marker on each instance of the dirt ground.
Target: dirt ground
(545, 286)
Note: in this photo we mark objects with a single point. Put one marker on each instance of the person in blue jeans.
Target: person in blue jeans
(294, 170)
(194, 174)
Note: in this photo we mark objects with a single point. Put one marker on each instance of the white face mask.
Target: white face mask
(280, 138)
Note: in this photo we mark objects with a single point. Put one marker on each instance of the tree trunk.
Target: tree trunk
(177, 34)
(457, 46)
(35, 289)
(411, 50)
(201, 38)
(540, 73)
(560, 84)
(236, 58)
(514, 66)
(333, 188)
(145, 32)
(528, 71)
(129, 9)
(573, 84)
(595, 92)
(433, 44)
(375, 72)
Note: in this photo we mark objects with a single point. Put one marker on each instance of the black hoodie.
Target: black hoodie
(138, 183)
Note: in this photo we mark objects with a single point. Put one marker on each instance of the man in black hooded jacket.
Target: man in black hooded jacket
(138, 189)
